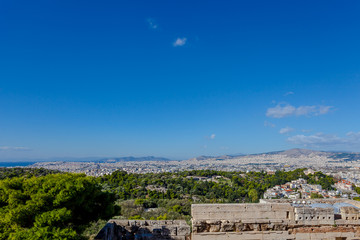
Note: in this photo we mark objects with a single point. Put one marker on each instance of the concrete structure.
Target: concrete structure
(144, 230)
(326, 219)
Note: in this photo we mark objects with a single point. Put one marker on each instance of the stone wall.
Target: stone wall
(144, 230)
(269, 220)
(318, 216)
(243, 212)
(273, 221)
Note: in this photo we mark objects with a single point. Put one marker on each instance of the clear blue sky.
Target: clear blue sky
(177, 78)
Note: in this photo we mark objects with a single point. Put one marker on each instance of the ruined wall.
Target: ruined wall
(144, 230)
(271, 221)
(349, 214)
(244, 212)
(317, 216)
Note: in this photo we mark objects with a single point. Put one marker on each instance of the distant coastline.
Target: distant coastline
(16, 164)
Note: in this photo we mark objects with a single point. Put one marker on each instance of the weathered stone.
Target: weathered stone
(266, 221)
(239, 227)
(227, 226)
(269, 221)
(144, 230)
(264, 227)
(215, 228)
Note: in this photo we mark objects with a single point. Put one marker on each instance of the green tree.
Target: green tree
(56, 206)
(253, 195)
(316, 195)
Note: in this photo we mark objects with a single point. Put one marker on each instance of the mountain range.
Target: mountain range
(291, 153)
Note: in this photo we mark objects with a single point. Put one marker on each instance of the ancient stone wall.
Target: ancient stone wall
(244, 212)
(145, 230)
(269, 220)
(272, 221)
(318, 216)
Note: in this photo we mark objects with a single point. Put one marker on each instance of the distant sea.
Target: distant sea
(15, 164)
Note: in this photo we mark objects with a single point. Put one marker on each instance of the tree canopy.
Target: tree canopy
(56, 206)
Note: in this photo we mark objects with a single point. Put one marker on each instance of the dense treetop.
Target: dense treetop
(215, 186)
(56, 206)
(25, 172)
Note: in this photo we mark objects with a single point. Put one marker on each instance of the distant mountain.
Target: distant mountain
(199, 158)
(291, 153)
(297, 152)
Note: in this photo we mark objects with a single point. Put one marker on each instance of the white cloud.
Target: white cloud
(324, 109)
(286, 130)
(306, 110)
(180, 42)
(280, 111)
(269, 124)
(288, 93)
(210, 137)
(326, 140)
(152, 23)
(286, 110)
(8, 148)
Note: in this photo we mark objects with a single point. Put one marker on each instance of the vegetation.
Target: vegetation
(56, 206)
(25, 172)
(357, 189)
(316, 195)
(325, 181)
(41, 205)
(217, 186)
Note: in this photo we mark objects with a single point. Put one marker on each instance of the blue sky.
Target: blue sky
(177, 78)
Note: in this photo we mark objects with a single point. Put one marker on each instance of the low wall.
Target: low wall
(144, 230)
(269, 221)
(243, 212)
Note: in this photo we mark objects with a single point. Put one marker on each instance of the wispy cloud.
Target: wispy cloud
(210, 137)
(286, 130)
(326, 140)
(288, 93)
(324, 109)
(152, 23)
(269, 124)
(180, 42)
(287, 110)
(8, 148)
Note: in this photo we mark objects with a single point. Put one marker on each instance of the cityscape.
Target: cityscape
(340, 165)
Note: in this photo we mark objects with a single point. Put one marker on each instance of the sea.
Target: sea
(16, 164)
